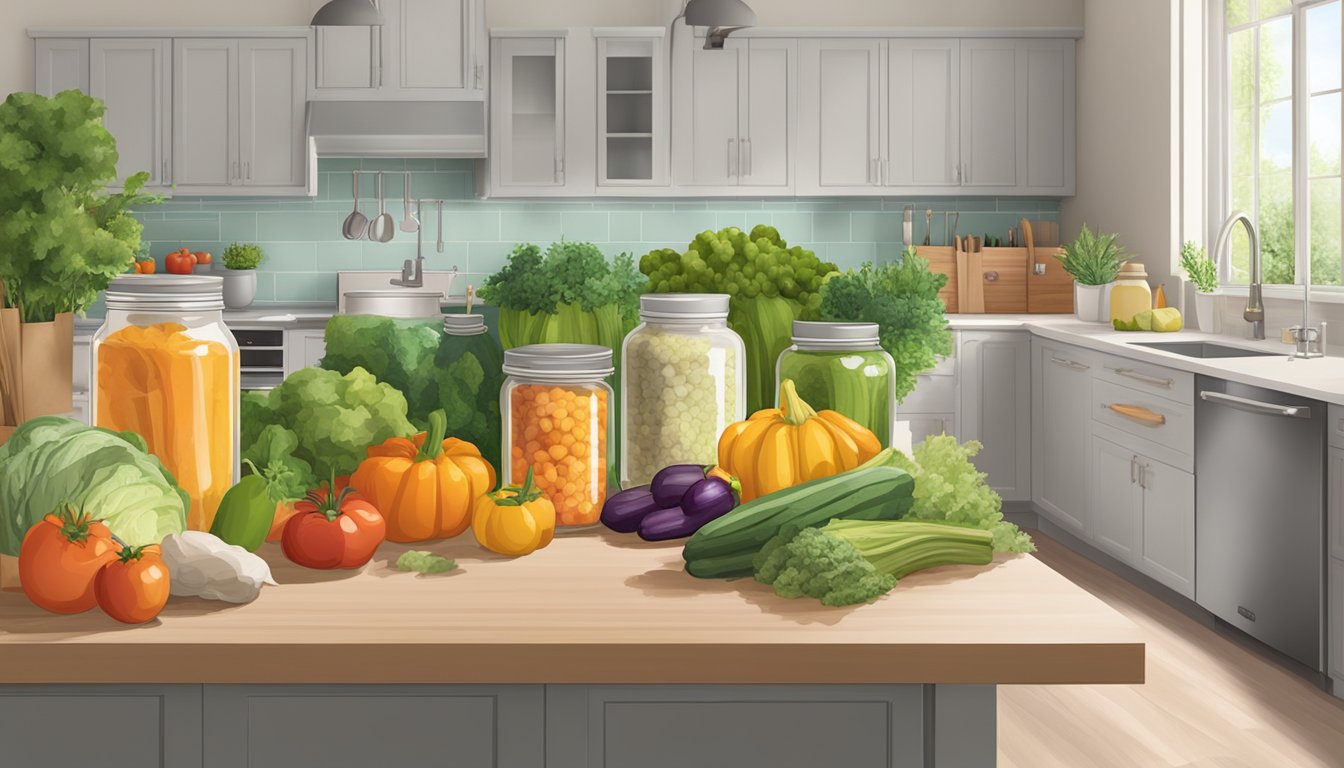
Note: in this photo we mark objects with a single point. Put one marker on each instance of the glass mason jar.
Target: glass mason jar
(842, 367)
(556, 410)
(464, 337)
(682, 382)
(166, 368)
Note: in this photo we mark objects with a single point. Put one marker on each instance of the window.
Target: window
(1282, 135)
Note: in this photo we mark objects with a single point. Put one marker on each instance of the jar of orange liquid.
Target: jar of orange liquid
(556, 412)
(166, 368)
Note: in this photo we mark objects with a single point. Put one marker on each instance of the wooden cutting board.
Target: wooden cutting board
(943, 260)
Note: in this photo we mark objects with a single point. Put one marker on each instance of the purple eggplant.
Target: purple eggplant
(709, 498)
(670, 523)
(624, 511)
(671, 483)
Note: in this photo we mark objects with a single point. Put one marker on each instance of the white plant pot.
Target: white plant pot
(240, 287)
(1092, 303)
(1206, 312)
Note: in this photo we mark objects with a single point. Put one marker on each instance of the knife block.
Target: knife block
(1005, 281)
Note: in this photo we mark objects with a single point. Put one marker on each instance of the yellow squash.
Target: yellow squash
(424, 487)
(514, 520)
(778, 448)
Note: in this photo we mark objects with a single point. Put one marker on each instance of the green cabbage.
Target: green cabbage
(52, 461)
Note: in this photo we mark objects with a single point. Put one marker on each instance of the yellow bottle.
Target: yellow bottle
(1130, 294)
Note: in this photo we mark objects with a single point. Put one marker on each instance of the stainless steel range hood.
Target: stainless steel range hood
(397, 128)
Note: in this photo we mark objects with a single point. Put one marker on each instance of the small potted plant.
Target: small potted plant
(1203, 273)
(240, 274)
(1093, 260)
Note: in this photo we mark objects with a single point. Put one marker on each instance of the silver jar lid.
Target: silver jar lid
(464, 325)
(559, 361)
(818, 335)
(166, 293)
(683, 306)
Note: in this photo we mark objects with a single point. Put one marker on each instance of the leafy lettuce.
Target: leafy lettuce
(52, 461)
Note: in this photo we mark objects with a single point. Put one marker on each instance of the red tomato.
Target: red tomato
(203, 257)
(59, 559)
(179, 262)
(329, 532)
(145, 267)
(134, 587)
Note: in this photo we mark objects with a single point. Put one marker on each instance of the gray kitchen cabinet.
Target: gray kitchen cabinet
(304, 348)
(133, 77)
(989, 105)
(1061, 431)
(995, 407)
(238, 116)
(839, 119)
(62, 65)
(1048, 145)
(205, 112)
(528, 112)
(1115, 522)
(1335, 494)
(777, 725)
(926, 425)
(1334, 596)
(272, 136)
(632, 109)
(316, 726)
(752, 145)
(428, 50)
(118, 726)
(923, 134)
(1334, 593)
(1167, 553)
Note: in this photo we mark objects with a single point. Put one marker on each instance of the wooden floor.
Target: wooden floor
(1209, 700)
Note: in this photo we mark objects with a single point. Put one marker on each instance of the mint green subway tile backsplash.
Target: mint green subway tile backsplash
(304, 248)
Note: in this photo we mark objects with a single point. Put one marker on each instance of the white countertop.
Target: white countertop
(1320, 379)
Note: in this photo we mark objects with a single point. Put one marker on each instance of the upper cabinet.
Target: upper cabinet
(238, 116)
(632, 121)
(734, 117)
(985, 116)
(208, 114)
(132, 76)
(528, 137)
(428, 50)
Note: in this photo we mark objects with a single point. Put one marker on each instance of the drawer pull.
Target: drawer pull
(1130, 373)
(1070, 364)
(1138, 413)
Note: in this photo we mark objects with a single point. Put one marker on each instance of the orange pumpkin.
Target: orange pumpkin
(424, 486)
(778, 448)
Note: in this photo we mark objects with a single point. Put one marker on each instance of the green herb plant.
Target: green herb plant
(769, 283)
(1201, 270)
(63, 236)
(239, 256)
(902, 298)
(1092, 258)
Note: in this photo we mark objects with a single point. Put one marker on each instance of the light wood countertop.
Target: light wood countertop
(591, 608)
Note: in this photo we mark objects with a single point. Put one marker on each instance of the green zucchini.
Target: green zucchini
(877, 490)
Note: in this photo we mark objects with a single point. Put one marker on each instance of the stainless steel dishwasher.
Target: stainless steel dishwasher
(1260, 514)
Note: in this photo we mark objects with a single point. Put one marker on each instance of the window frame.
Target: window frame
(1218, 158)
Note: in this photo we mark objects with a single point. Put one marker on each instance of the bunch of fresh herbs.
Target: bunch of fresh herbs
(1092, 258)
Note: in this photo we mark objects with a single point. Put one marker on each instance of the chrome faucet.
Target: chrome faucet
(413, 272)
(1310, 341)
(1255, 305)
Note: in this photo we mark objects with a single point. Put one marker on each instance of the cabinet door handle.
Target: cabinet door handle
(1157, 381)
(247, 170)
(1133, 469)
(236, 174)
(957, 170)
(1137, 413)
(1255, 406)
(746, 163)
(1143, 476)
(1070, 364)
(732, 167)
(164, 179)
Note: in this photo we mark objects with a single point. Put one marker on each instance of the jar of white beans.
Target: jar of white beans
(682, 383)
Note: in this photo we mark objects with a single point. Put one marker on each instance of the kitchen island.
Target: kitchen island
(596, 651)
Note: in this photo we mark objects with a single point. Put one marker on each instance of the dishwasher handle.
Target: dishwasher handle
(1255, 406)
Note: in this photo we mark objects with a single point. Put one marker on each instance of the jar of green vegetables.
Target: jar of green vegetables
(842, 367)
(470, 363)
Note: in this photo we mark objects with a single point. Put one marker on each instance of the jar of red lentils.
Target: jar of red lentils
(556, 410)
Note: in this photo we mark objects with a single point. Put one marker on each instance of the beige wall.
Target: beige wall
(1128, 171)
(16, 52)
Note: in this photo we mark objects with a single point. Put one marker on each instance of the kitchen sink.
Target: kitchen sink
(1205, 349)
